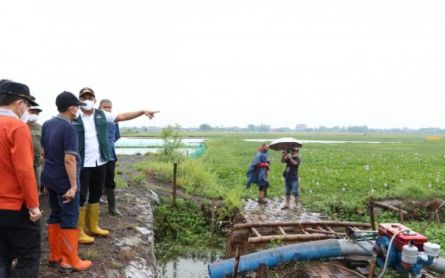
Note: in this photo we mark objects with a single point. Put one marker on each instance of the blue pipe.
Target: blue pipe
(306, 251)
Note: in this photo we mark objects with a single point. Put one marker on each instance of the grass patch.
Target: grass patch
(183, 229)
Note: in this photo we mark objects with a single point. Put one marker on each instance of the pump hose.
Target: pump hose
(387, 254)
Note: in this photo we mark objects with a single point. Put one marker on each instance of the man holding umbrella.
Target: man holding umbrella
(291, 148)
(290, 174)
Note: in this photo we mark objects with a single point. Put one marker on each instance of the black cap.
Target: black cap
(86, 90)
(67, 99)
(16, 89)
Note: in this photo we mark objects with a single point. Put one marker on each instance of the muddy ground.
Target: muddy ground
(129, 250)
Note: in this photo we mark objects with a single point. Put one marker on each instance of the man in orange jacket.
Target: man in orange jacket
(19, 203)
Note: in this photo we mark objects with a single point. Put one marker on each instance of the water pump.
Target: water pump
(403, 249)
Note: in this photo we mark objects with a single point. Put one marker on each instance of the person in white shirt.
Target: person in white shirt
(92, 130)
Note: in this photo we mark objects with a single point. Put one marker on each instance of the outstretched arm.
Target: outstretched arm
(132, 115)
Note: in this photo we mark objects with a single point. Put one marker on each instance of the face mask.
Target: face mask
(33, 118)
(75, 113)
(89, 105)
(25, 115)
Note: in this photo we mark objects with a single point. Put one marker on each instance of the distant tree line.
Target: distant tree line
(360, 129)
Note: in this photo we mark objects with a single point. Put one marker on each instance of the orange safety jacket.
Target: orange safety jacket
(17, 182)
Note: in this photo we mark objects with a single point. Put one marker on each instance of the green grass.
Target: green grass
(184, 229)
(337, 179)
(333, 177)
(344, 175)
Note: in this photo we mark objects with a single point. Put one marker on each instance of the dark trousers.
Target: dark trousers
(64, 213)
(92, 180)
(19, 238)
(109, 180)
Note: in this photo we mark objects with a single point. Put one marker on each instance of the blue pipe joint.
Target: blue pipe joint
(394, 255)
(429, 262)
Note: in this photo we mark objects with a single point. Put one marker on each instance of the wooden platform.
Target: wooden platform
(254, 236)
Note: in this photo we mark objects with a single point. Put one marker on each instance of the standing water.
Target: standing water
(131, 146)
(187, 267)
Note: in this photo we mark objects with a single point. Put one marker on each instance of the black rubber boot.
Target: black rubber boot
(4, 272)
(25, 273)
(112, 209)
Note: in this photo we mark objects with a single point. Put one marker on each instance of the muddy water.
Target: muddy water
(184, 267)
(272, 212)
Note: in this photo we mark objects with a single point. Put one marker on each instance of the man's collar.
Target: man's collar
(60, 116)
(85, 115)
(8, 113)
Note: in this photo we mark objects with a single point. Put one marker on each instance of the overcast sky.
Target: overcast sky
(226, 63)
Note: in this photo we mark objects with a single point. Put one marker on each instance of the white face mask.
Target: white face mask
(24, 117)
(89, 105)
(33, 118)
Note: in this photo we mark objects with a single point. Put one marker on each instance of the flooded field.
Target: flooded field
(132, 146)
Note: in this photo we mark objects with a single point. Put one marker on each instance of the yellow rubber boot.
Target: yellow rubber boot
(83, 238)
(93, 211)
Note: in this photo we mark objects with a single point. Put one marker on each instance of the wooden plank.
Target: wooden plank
(282, 230)
(302, 224)
(255, 232)
(386, 206)
(298, 237)
(324, 232)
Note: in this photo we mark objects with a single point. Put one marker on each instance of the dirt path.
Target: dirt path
(252, 212)
(129, 250)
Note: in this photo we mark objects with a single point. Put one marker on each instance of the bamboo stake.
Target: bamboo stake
(175, 169)
(372, 214)
(237, 259)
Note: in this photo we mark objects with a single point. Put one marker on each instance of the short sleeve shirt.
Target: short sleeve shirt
(59, 137)
(291, 171)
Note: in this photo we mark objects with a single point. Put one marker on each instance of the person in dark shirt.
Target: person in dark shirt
(113, 136)
(60, 177)
(292, 160)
